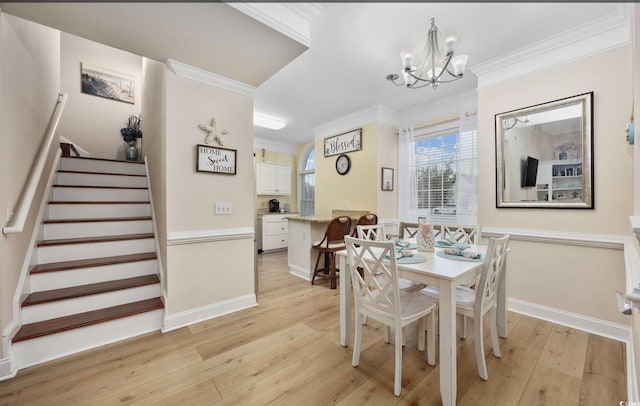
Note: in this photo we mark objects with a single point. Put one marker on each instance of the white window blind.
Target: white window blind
(445, 168)
(308, 183)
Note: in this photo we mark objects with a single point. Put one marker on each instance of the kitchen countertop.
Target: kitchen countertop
(309, 219)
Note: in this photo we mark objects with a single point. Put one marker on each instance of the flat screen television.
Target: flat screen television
(529, 172)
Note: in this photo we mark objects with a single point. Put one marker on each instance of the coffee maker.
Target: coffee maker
(274, 206)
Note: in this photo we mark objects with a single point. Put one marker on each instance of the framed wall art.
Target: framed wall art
(215, 159)
(103, 82)
(387, 179)
(343, 143)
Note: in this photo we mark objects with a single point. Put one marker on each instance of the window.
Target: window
(445, 173)
(307, 181)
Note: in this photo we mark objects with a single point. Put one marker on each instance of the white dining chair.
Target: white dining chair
(482, 299)
(382, 300)
(458, 233)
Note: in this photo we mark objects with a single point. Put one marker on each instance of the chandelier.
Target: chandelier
(430, 69)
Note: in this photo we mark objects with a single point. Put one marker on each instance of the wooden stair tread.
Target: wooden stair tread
(103, 159)
(96, 220)
(84, 240)
(57, 325)
(53, 295)
(87, 263)
(101, 187)
(101, 173)
(98, 202)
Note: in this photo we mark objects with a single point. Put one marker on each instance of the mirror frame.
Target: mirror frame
(585, 100)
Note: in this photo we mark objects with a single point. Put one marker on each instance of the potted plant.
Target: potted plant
(130, 134)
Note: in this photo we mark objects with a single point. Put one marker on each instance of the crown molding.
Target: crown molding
(191, 72)
(276, 146)
(376, 114)
(597, 36)
(291, 19)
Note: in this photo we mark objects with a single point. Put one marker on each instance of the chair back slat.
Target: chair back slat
(466, 234)
(368, 219)
(374, 232)
(408, 230)
(492, 267)
(376, 288)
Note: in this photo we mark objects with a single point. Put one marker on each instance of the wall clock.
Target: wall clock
(343, 164)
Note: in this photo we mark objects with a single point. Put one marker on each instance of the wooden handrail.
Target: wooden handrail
(16, 223)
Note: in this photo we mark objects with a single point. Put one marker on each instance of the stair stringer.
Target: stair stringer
(23, 286)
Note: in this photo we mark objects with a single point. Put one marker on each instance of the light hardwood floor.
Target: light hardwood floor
(286, 352)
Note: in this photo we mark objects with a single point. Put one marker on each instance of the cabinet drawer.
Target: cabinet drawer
(276, 228)
(273, 242)
(274, 218)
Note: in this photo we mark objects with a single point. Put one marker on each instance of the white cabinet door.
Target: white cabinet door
(273, 179)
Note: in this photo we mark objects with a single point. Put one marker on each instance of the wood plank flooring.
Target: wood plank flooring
(286, 352)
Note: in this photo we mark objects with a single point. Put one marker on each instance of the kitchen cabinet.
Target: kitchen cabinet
(275, 232)
(273, 179)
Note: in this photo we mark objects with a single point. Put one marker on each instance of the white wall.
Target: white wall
(29, 86)
(577, 279)
(94, 122)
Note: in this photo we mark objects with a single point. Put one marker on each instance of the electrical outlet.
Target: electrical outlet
(224, 208)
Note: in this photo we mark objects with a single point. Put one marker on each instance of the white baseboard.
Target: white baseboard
(186, 318)
(299, 272)
(7, 369)
(599, 327)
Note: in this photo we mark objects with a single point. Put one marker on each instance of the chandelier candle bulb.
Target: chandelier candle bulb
(450, 44)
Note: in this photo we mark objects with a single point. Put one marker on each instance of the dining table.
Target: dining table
(445, 273)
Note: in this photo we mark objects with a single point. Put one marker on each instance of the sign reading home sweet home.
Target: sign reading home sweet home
(343, 143)
(216, 159)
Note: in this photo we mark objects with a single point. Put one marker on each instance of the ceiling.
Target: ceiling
(353, 47)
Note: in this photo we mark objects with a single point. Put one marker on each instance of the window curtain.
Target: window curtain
(467, 198)
(407, 180)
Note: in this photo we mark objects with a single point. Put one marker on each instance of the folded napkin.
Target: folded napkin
(463, 253)
(402, 243)
(401, 254)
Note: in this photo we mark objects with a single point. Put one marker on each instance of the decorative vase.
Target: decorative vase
(131, 151)
(425, 238)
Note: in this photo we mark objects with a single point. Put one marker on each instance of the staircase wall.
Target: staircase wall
(27, 99)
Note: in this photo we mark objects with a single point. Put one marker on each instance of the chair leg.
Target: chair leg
(315, 269)
(421, 328)
(357, 339)
(332, 271)
(398, 375)
(387, 333)
(479, 342)
(431, 337)
(493, 330)
(463, 322)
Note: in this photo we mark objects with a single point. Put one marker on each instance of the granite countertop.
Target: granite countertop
(309, 219)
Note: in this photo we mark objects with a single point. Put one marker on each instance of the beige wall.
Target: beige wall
(199, 275)
(357, 190)
(94, 122)
(578, 279)
(274, 157)
(27, 98)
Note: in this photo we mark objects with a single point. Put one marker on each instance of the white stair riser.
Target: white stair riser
(83, 211)
(70, 252)
(91, 165)
(95, 229)
(89, 179)
(65, 194)
(60, 308)
(84, 276)
(42, 349)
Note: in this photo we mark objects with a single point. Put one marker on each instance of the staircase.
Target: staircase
(96, 278)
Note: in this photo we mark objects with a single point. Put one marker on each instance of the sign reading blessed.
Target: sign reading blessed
(216, 159)
(342, 143)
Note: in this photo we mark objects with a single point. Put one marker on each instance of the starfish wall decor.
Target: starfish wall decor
(212, 132)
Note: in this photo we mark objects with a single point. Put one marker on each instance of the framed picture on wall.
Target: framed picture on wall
(215, 159)
(103, 82)
(387, 179)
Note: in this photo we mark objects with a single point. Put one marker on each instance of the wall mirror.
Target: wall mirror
(544, 155)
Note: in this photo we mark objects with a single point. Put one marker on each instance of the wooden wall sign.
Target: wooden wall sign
(215, 159)
(343, 143)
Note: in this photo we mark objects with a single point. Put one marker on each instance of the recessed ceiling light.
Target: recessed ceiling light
(273, 123)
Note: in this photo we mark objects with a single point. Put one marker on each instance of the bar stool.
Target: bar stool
(333, 241)
(366, 220)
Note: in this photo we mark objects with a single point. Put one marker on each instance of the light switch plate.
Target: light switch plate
(224, 208)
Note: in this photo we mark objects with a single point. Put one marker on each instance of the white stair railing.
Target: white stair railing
(16, 223)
